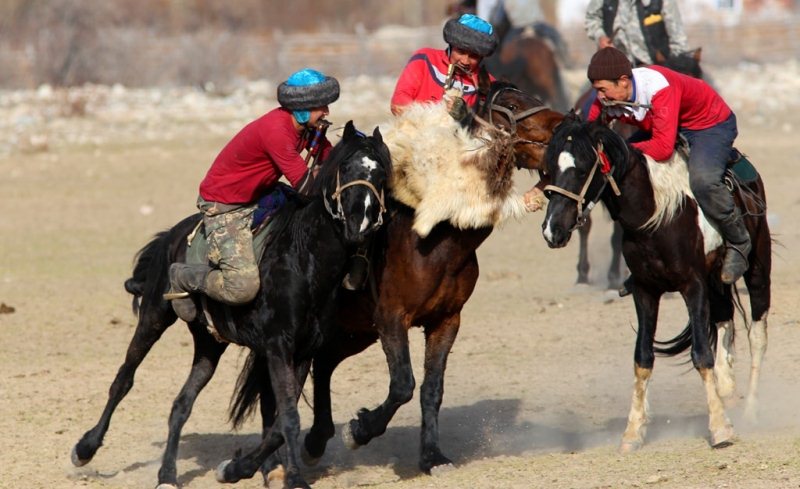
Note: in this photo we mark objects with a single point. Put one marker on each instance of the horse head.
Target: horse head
(582, 160)
(352, 183)
(523, 116)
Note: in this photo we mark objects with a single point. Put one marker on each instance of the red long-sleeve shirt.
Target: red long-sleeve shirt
(256, 158)
(422, 80)
(677, 101)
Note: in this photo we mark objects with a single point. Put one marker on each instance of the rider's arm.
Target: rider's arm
(282, 148)
(665, 112)
(594, 20)
(408, 85)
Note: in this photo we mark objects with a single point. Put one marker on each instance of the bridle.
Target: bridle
(336, 196)
(600, 161)
(513, 117)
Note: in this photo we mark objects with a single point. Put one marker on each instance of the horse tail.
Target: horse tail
(150, 276)
(249, 386)
(683, 341)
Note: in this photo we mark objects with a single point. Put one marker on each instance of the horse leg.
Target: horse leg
(285, 389)
(369, 424)
(325, 362)
(151, 325)
(757, 279)
(583, 251)
(438, 342)
(723, 364)
(697, 299)
(614, 273)
(207, 352)
(643, 357)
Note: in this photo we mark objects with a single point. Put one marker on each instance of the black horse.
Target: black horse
(300, 271)
(687, 63)
(419, 282)
(668, 248)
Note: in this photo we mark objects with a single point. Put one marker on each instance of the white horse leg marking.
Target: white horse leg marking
(758, 347)
(723, 365)
(634, 434)
(365, 223)
(718, 424)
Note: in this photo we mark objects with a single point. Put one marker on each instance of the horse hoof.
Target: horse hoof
(166, 486)
(630, 446)
(276, 478)
(219, 474)
(723, 437)
(308, 459)
(348, 438)
(441, 470)
(76, 460)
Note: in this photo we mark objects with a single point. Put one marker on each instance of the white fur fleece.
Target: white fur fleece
(446, 174)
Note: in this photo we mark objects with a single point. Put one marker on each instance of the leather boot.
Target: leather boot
(185, 279)
(737, 248)
(357, 272)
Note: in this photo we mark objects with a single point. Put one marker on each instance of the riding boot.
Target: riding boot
(357, 271)
(185, 279)
(737, 248)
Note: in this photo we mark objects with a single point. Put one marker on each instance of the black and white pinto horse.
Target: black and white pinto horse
(300, 271)
(669, 247)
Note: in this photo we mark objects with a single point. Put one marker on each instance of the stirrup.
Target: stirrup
(170, 296)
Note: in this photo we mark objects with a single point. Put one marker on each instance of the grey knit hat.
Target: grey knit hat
(471, 33)
(307, 89)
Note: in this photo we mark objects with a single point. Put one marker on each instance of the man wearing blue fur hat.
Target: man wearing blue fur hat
(247, 168)
(429, 72)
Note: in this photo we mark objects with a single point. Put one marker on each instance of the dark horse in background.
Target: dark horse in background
(687, 63)
(300, 270)
(669, 248)
(421, 282)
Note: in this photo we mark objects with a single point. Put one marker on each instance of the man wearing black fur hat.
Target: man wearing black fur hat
(425, 78)
(247, 168)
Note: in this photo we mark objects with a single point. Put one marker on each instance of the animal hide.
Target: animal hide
(447, 174)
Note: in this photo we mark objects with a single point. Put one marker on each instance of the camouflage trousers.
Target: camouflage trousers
(234, 278)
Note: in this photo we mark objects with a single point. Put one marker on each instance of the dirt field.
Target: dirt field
(538, 383)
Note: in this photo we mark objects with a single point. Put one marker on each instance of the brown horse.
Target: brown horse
(423, 282)
(669, 248)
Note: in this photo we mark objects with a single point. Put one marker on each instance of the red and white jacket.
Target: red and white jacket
(423, 77)
(668, 101)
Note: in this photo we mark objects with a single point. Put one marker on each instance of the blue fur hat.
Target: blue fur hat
(471, 33)
(307, 89)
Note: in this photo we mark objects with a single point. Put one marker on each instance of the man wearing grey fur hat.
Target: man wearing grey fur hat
(246, 169)
(428, 72)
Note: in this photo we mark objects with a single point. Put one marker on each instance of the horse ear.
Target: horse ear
(697, 54)
(376, 134)
(660, 58)
(349, 130)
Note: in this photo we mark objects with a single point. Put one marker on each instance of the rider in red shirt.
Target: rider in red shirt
(246, 169)
(664, 103)
(469, 39)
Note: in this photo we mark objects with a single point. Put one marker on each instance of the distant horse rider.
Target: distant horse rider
(247, 168)
(523, 18)
(638, 28)
(665, 103)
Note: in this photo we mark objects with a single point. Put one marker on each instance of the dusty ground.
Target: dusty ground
(538, 384)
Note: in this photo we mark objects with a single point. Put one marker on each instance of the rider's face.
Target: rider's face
(617, 90)
(317, 113)
(468, 62)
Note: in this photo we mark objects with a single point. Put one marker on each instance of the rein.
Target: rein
(512, 117)
(337, 197)
(599, 162)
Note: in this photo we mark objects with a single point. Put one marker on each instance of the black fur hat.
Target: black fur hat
(464, 33)
(307, 89)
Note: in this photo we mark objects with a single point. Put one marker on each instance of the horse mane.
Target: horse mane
(670, 181)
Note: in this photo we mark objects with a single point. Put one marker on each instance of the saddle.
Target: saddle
(266, 207)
